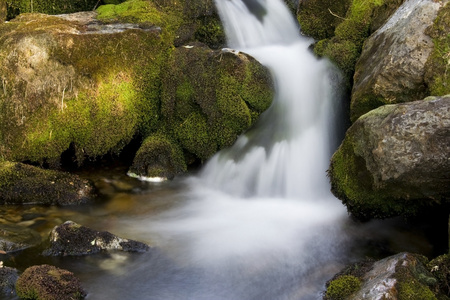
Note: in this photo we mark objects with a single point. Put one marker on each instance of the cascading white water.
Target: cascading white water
(287, 154)
(259, 221)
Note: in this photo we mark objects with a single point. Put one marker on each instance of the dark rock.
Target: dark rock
(49, 283)
(8, 278)
(15, 238)
(73, 239)
(25, 184)
(394, 160)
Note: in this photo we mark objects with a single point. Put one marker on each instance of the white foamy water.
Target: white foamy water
(259, 221)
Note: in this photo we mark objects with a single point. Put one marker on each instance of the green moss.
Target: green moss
(437, 74)
(159, 156)
(16, 7)
(342, 287)
(97, 102)
(143, 12)
(440, 268)
(210, 32)
(344, 48)
(354, 185)
(318, 19)
(195, 136)
(412, 290)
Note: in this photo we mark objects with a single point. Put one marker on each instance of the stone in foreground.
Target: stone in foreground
(72, 239)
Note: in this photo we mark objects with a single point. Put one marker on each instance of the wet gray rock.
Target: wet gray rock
(73, 239)
(396, 277)
(8, 278)
(391, 67)
(15, 238)
(395, 160)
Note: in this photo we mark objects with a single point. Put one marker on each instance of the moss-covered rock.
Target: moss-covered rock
(356, 24)
(73, 239)
(3, 11)
(158, 157)
(24, 184)
(182, 21)
(437, 76)
(210, 97)
(440, 268)
(394, 160)
(16, 7)
(47, 282)
(401, 276)
(319, 18)
(69, 80)
(342, 287)
(391, 67)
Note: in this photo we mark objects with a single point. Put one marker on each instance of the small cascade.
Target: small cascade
(287, 153)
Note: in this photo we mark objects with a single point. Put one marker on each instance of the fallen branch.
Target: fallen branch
(333, 14)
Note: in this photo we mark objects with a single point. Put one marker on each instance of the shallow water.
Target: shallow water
(213, 247)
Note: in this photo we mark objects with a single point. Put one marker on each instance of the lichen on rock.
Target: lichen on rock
(45, 282)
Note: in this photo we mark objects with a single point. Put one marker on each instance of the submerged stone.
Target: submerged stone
(73, 239)
(15, 238)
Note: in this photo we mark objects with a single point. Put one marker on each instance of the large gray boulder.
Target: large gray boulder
(391, 67)
(395, 160)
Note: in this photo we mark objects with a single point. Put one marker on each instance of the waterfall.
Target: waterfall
(287, 153)
(258, 222)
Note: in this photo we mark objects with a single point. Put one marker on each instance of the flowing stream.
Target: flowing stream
(258, 221)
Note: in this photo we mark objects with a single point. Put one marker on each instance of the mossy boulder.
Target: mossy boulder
(394, 160)
(183, 21)
(3, 11)
(319, 18)
(16, 7)
(72, 239)
(158, 157)
(391, 67)
(210, 97)
(71, 82)
(437, 77)
(359, 21)
(401, 276)
(45, 282)
(25, 184)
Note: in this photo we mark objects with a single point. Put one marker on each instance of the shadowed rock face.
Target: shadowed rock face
(256, 7)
